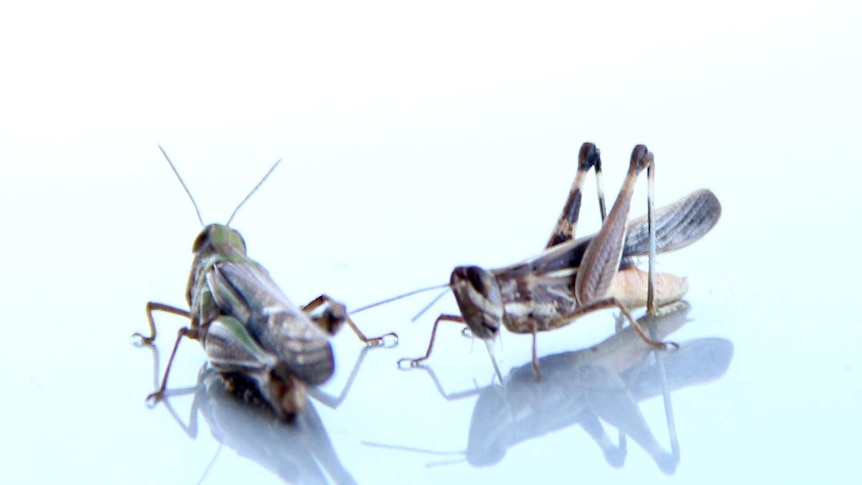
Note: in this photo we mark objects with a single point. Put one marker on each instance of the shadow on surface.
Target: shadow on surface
(297, 451)
(585, 387)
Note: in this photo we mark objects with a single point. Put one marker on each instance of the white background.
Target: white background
(416, 138)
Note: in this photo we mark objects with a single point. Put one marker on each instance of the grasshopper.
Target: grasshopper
(575, 277)
(247, 326)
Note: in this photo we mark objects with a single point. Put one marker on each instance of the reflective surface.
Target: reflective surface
(604, 382)
(416, 141)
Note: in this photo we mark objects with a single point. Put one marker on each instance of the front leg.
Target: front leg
(187, 332)
(442, 318)
(139, 339)
(330, 315)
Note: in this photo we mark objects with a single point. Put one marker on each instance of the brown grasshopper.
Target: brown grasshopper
(575, 277)
(247, 325)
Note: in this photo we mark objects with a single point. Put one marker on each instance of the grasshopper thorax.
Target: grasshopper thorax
(479, 299)
(219, 239)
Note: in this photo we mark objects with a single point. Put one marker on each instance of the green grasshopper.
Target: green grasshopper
(248, 328)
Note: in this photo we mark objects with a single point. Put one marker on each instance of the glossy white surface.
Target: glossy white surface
(414, 141)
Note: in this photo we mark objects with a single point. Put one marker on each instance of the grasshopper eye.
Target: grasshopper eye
(479, 279)
(202, 240)
(237, 242)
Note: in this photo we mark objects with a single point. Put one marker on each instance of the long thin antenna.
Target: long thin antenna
(403, 295)
(197, 211)
(428, 306)
(252, 191)
(414, 449)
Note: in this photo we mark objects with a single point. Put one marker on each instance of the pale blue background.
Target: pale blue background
(416, 139)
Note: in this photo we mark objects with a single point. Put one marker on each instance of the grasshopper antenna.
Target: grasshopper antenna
(460, 456)
(413, 449)
(398, 297)
(429, 305)
(262, 180)
(185, 187)
(424, 451)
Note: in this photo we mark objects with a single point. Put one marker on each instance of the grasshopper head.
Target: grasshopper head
(218, 238)
(480, 300)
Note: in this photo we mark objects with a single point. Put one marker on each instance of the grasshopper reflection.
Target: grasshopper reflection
(588, 387)
(240, 418)
(575, 277)
(247, 325)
